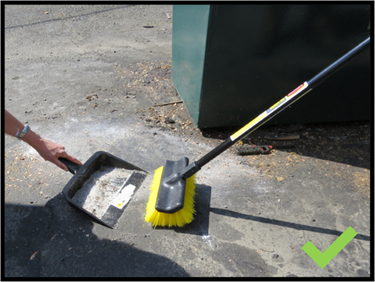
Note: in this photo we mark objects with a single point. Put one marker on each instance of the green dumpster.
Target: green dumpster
(232, 62)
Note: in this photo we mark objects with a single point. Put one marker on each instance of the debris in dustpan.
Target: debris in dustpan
(102, 189)
(103, 186)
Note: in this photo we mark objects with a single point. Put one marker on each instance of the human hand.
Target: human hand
(47, 149)
(51, 151)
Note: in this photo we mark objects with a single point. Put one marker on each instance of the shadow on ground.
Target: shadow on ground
(344, 142)
(39, 242)
(284, 223)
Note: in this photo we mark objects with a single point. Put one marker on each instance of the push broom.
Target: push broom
(171, 200)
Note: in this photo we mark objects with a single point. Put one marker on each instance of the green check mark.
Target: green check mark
(322, 259)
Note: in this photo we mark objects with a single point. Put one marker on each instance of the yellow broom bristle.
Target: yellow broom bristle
(180, 218)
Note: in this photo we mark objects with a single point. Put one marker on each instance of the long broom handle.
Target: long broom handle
(293, 96)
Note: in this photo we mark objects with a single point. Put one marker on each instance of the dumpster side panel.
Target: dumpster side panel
(257, 54)
(188, 53)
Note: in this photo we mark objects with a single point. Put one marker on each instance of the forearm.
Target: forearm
(48, 150)
(13, 125)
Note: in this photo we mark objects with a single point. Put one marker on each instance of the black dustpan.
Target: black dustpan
(118, 192)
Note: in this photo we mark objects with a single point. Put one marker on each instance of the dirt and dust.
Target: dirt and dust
(101, 189)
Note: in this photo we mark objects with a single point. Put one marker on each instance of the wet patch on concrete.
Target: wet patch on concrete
(243, 261)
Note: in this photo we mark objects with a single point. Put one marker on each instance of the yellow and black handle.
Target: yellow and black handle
(293, 96)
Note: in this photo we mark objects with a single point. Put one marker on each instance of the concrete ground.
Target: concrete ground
(99, 78)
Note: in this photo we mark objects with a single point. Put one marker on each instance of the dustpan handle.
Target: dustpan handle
(72, 167)
(275, 109)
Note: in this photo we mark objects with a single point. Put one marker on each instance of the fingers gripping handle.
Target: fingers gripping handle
(72, 167)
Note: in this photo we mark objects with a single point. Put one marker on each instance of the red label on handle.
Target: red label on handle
(299, 88)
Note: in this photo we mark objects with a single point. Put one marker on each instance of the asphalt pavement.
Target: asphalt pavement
(98, 78)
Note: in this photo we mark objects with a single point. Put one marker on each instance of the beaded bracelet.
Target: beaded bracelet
(23, 132)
